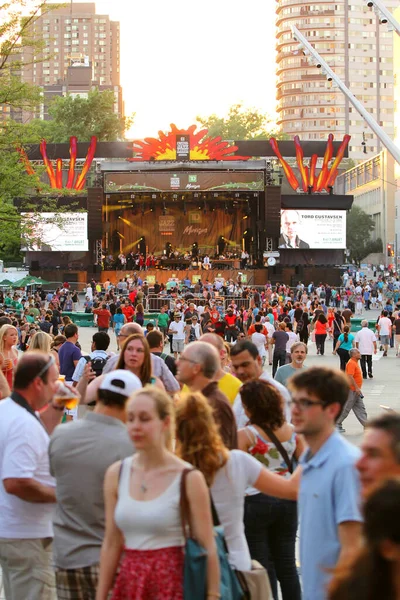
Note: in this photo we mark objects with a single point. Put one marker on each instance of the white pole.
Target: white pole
(384, 13)
(379, 132)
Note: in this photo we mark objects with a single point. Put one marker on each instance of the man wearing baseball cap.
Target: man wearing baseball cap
(80, 454)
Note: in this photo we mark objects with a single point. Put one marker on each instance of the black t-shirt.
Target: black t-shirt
(298, 314)
(281, 338)
(397, 325)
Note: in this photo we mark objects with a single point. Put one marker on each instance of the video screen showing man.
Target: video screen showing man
(290, 229)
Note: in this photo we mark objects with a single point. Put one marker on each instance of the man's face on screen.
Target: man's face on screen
(290, 223)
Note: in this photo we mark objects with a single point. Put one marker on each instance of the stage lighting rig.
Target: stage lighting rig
(384, 15)
(376, 128)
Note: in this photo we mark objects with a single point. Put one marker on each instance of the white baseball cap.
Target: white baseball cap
(121, 382)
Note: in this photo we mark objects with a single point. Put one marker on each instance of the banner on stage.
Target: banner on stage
(166, 223)
(57, 232)
(313, 229)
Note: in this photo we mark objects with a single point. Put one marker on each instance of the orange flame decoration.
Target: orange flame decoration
(201, 146)
(56, 178)
(326, 177)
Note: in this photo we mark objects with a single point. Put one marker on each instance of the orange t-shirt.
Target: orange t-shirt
(320, 328)
(353, 368)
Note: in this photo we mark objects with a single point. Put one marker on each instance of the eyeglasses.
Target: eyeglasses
(187, 360)
(305, 403)
(122, 335)
(46, 367)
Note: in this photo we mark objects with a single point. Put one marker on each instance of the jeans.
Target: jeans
(344, 358)
(270, 528)
(366, 361)
(278, 358)
(320, 342)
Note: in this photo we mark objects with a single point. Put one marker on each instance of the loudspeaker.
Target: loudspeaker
(35, 265)
(272, 211)
(94, 205)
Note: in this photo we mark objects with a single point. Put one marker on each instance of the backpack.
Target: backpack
(98, 363)
(300, 325)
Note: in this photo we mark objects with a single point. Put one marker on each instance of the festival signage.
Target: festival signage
(202, 181)
(60, 232)
(183, 147)
(166, 223)
(184, 144)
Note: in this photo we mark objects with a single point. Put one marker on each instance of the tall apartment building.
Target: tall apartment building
(75, 35)
(347, 34)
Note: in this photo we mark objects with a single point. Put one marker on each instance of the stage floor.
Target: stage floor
(249, 276)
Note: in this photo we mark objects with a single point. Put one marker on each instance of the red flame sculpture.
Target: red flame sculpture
(201, 146)
(55, 179)
(309, 181)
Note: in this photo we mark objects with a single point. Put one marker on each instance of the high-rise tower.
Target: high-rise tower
(347, 34)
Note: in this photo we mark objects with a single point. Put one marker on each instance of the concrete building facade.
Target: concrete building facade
(81, 51)
(349, 37)
(373, 185)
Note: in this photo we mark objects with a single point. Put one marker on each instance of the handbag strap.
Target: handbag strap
(279, 447)
(184, 508)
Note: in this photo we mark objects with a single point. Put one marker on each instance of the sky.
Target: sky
(180, 58)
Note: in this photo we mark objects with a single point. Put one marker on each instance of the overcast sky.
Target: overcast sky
(181, 58)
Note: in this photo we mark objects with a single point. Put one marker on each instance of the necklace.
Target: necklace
(143, 487)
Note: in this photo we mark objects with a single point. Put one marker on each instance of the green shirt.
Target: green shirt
(163, 320)
(8, 300)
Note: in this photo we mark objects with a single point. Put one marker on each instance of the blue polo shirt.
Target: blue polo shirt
(329, 495)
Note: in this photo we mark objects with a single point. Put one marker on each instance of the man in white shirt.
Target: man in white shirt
(27, 490)
(366, 344)
(177, 328)
(385, 331)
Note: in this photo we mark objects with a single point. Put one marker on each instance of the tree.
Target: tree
(358, 229)
(19, 48)
(241, 124)
(82, 117)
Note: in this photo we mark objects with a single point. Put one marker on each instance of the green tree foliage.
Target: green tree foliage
(358, 229)
(18, 50)
(82, 117)
(241, 124)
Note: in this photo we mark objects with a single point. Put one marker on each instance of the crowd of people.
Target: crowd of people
(91, 495)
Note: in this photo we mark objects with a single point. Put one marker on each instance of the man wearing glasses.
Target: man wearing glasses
(329, 496)
(27, 490)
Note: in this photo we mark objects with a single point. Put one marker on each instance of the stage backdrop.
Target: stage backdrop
(181, 230)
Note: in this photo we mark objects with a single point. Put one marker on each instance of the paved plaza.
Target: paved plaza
(383, 389)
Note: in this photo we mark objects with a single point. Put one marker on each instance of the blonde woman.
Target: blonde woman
(8, 352)
(143, 523)
(43, 341)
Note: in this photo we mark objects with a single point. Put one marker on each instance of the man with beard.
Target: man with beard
(298, 354)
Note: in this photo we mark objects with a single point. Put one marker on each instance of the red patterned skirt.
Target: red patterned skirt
(150, 575)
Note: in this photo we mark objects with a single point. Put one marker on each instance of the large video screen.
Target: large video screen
(313, 229)
(58, 232)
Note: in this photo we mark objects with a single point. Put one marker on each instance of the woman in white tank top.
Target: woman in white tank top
(142, 496)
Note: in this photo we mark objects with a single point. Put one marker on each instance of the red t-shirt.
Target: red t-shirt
(231, 320)
(214, 316)
(103, 317)
(128, 312)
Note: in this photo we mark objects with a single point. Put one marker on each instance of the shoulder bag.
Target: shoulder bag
(254, 584)
(195, 564)
(280, 448)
